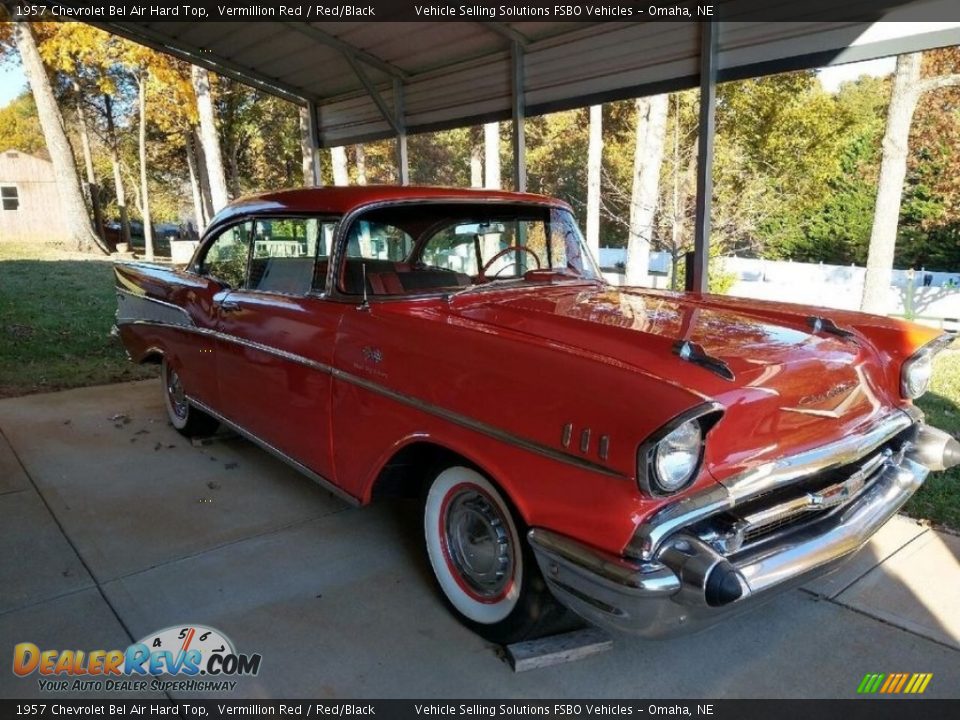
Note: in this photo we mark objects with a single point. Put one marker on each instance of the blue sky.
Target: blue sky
(12, 82)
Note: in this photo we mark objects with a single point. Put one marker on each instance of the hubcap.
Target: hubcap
(479, 543)
(178, 398)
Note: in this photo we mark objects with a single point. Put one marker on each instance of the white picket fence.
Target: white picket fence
(931, 297)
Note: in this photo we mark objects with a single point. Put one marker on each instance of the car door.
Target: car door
(221, 266)
(275, 341)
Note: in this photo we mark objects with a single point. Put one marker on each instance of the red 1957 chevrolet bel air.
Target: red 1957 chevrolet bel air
(651, 460)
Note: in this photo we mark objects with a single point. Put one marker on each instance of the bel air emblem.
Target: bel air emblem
(372, 354)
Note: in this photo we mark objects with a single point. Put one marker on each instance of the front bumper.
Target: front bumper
(686, 584)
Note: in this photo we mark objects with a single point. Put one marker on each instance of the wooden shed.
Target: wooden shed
(30, 207)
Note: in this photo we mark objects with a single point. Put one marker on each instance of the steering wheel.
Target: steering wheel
(512, 248)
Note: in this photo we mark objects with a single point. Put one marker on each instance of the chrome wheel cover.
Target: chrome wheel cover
(176, 395)
(479, 544)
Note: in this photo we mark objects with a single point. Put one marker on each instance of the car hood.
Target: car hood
(786, 379)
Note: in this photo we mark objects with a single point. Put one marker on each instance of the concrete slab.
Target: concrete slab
(78, 621)
(12, 477)
(917, 589)
(38, 562)
(891, 538)
(132, 493)
(344, 607)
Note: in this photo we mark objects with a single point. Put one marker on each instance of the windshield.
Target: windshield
(416, 249)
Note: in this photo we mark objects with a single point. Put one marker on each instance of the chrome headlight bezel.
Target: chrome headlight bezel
(703, 417)
(917, 370)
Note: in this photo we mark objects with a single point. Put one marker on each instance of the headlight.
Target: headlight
(918, 368)
(669, 460)
(676, 457)
(915, 378)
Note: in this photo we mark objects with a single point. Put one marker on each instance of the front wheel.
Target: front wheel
(185, 418)
(481, 561)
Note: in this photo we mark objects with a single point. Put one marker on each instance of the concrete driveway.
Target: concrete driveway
(112, 527)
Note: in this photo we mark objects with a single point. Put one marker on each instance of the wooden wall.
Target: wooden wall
(39, 217)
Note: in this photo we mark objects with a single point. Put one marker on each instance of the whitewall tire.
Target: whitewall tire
(483, 566)
(185, 418)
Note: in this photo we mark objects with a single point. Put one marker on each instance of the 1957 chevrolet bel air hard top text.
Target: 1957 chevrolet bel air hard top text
(650, 460)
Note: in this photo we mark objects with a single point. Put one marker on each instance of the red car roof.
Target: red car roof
(340, 200)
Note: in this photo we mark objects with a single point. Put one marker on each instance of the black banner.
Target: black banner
(873, 709)
(472, 10)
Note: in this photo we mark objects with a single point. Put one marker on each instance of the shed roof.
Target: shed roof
(454, 74)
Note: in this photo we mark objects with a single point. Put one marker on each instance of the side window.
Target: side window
(226, 258)
(378, 241)
(284, 253)
(9, 197)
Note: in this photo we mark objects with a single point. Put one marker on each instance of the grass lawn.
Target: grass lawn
(939, 498)
(56, 311)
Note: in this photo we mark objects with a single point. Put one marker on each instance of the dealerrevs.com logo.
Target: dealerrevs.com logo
(200, 658)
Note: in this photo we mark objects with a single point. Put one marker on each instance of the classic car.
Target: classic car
(651, 460)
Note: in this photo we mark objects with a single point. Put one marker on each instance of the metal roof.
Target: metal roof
(452, 74)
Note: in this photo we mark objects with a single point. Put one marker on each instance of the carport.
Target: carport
(365, 81)
(117, 526)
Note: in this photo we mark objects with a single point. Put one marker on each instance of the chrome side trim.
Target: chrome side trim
(478, 426)
(651, 534)
(454, 417)
(279, 454)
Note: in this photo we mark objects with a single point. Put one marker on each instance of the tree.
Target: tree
(338, 159)
(904, 96)
(594, 167)
(647, 158)
(306, 148)
(20, 127)
(61, 155)
(491, 156)
(210, 139)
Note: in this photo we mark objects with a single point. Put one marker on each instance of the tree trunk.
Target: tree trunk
(594, 164)
(491, 156)
(338, 159)
(893, 169)
(117, 175)
(93, 189)
(361, 165)
(904, 96)
(51, 122)
(647, 158)
(204, 177)
(213, 159)
(306, 149)
(476, 167)
(192, 167)
(144, 193)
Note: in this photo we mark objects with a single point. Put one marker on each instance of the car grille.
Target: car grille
(778, 512)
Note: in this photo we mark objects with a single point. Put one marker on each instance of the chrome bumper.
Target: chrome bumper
(686, 584)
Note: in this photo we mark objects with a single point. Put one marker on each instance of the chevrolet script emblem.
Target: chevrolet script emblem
(827, 394)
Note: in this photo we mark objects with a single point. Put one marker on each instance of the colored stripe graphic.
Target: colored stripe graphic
(894, 683)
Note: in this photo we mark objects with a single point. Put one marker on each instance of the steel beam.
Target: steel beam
(374, 93)
(518, 88)
(214, 63)
(704, 200)
(403, 162)
(507, 32)
(325, 38)
(314, 130)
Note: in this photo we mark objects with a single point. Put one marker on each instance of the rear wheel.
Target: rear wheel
(185, 418)
(481, 560)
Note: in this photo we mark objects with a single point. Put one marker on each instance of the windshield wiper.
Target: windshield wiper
(482, 286)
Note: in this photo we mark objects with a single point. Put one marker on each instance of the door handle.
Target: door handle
(228, 306)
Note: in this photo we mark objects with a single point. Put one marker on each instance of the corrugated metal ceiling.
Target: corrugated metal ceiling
(459, 73)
